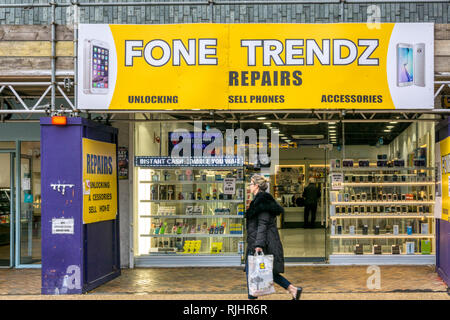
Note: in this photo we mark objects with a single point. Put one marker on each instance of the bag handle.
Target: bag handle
(260, 253)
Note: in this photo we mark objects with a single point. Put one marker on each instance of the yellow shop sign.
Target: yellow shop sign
(256, 66)
(99, 181)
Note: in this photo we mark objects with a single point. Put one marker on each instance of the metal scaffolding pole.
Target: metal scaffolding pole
(53, 56)
(75, 53)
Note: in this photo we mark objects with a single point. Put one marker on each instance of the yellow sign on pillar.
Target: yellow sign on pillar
(99, 181)
(445, 169)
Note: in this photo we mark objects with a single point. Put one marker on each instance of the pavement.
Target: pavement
(318, 282)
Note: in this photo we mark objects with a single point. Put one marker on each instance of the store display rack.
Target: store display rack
(193, 213)
(384, 214)
(5, 216)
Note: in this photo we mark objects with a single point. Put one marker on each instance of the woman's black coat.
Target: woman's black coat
(262, 228)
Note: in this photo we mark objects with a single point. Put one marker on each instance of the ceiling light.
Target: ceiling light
(268, 123)
(332, 130)
(331, 122)
(393, 122)
(387, 130)
(389, 127)
(261, 118)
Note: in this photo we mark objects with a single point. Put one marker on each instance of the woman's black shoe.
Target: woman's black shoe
(297, 295)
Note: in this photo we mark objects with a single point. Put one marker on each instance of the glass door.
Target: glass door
(28, 245)
(6, 207)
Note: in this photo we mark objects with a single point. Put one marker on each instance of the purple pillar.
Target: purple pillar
(443, 226)
(76, 257)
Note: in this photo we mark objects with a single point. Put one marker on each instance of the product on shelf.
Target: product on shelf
(409, 230)
(198, 210)
(377, 249)
(365, 229)
(424, 228)
(192, 246)
(352, 230)
(216, 247)
(236, 228)
(359, 249)
(347, 163)
(425, 246)
(395, 249)
(410, 247)
(240, 209)
(395, 229)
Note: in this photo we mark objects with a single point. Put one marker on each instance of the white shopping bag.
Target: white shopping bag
(260, 275)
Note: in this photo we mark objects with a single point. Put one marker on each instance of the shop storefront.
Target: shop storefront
(376, 203)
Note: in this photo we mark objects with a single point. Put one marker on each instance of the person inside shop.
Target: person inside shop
(262, 232)
(311, 196)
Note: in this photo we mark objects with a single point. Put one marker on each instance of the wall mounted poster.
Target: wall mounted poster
(122, 157)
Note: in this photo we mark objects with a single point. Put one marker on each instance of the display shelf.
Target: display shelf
(158, 259)
(382, 217)
(382, 259)
(192, 235)
(382, 236)
(381, 169)
(411, 188)
(372, 203)
(186, 182)
(388, 184)
(193, 216)
(165, 195)
(193, 201)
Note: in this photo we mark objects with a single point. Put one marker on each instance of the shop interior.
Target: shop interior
(310, 152)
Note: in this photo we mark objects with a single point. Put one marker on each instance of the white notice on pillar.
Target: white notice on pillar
(62, 226)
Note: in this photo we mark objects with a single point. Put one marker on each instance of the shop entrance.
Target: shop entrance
(302, 190)
(6, 207)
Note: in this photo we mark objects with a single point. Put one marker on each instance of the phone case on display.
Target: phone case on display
(376, 249)
(410, 247)
(395, 249)
(339, 229)
(359, 249)
(365, 230)
(409, 230)
(351, 230)
(377, 230)
(425, 246)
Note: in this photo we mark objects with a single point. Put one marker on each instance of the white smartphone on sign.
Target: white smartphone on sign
(96, 67)
(419, 64)
(405, 66)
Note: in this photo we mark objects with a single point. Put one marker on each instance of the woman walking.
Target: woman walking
(262, 232)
